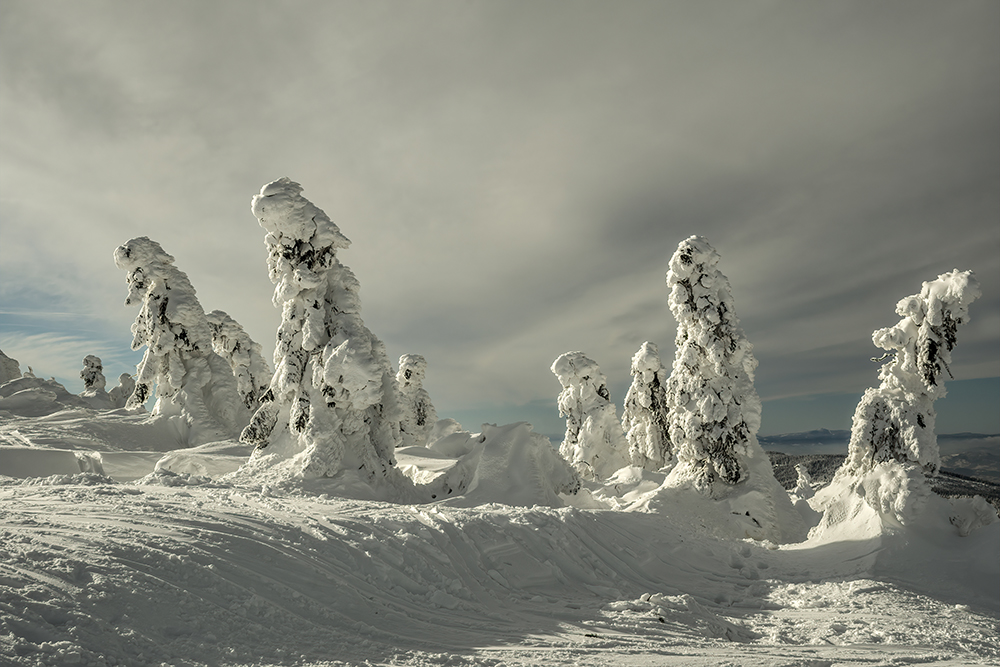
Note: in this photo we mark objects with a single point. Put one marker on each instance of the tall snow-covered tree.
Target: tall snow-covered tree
(191, 381)
(332, 402)
(895, 421)
(645, 418)
(594, 442)
(231, 342)
(714, 408)
(418, 413)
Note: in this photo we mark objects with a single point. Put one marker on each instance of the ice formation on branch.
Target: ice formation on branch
(332, 403)
(645, 419)
(192, 382)
(119, 395)
(418, 413)
(594, 442)
(231, 342)
(9, 369)
(714, 408)
(895, 422)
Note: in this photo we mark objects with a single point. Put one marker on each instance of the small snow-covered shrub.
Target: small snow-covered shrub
(418, 413)
(594, 442)
(93, 383)
(645, 419)
(332, 403)
(231, 342)
(714, 411)
(192, 383)
(119, 395)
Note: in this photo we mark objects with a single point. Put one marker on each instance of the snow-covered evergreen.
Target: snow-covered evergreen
(895, 421)
(9, 368)
(195, 387)
(231, 342)
(418, 413)
(332, 402)
(119, 395)
(594, 441)
(645, 418)
(93, 383)
(714, 408)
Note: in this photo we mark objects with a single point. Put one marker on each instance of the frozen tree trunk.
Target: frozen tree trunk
(119, 395)
(231, 342)
(594, 442)
(9, 369)
(418, 413)
(714, 408)
(646, 419)
(195, 388)
(895, 422)
(332, 404)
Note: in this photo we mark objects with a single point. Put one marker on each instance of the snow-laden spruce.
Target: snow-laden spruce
(714, 408)
(594, 442)
(645, 418)
(418, 415)
(195, 388)
(231, 342)
(94, 392)
(332, 404)
(893, 451)
(895, 422)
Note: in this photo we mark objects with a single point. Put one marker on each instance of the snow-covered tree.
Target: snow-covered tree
(895, 422)
(418, 413)
(332, 403)
(594, 442)
(714, 410)
(92, 374)
(119, 395)
(191, 381)
(9, 368)
(245, 356)
(645, 418)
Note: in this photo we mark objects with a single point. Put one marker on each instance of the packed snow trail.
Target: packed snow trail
(104, 574)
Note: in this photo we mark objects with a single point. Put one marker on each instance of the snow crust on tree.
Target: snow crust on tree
(594, 442)
(94, 382)
(245, 356)
(418, 413)
(9, 368)
(893, 451)
(714, 410)
(645, 419)
(120, 394)
(332, 403)
(195, 388)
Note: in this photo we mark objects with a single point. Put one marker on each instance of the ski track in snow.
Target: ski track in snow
(111, 574)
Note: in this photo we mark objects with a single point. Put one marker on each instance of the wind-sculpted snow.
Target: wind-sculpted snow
(9, 368)
(195, 388)
(594, 442)
(646, 417)
(893, 449)
(418, 415)
(332, 404)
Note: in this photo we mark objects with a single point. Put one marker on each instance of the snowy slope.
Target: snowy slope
(184, 570)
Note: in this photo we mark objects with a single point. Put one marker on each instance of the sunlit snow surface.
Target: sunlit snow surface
(182, 569)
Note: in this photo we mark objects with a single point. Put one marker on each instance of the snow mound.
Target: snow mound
(35, 397)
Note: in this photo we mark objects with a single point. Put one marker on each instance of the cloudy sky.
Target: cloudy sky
(514, 177)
